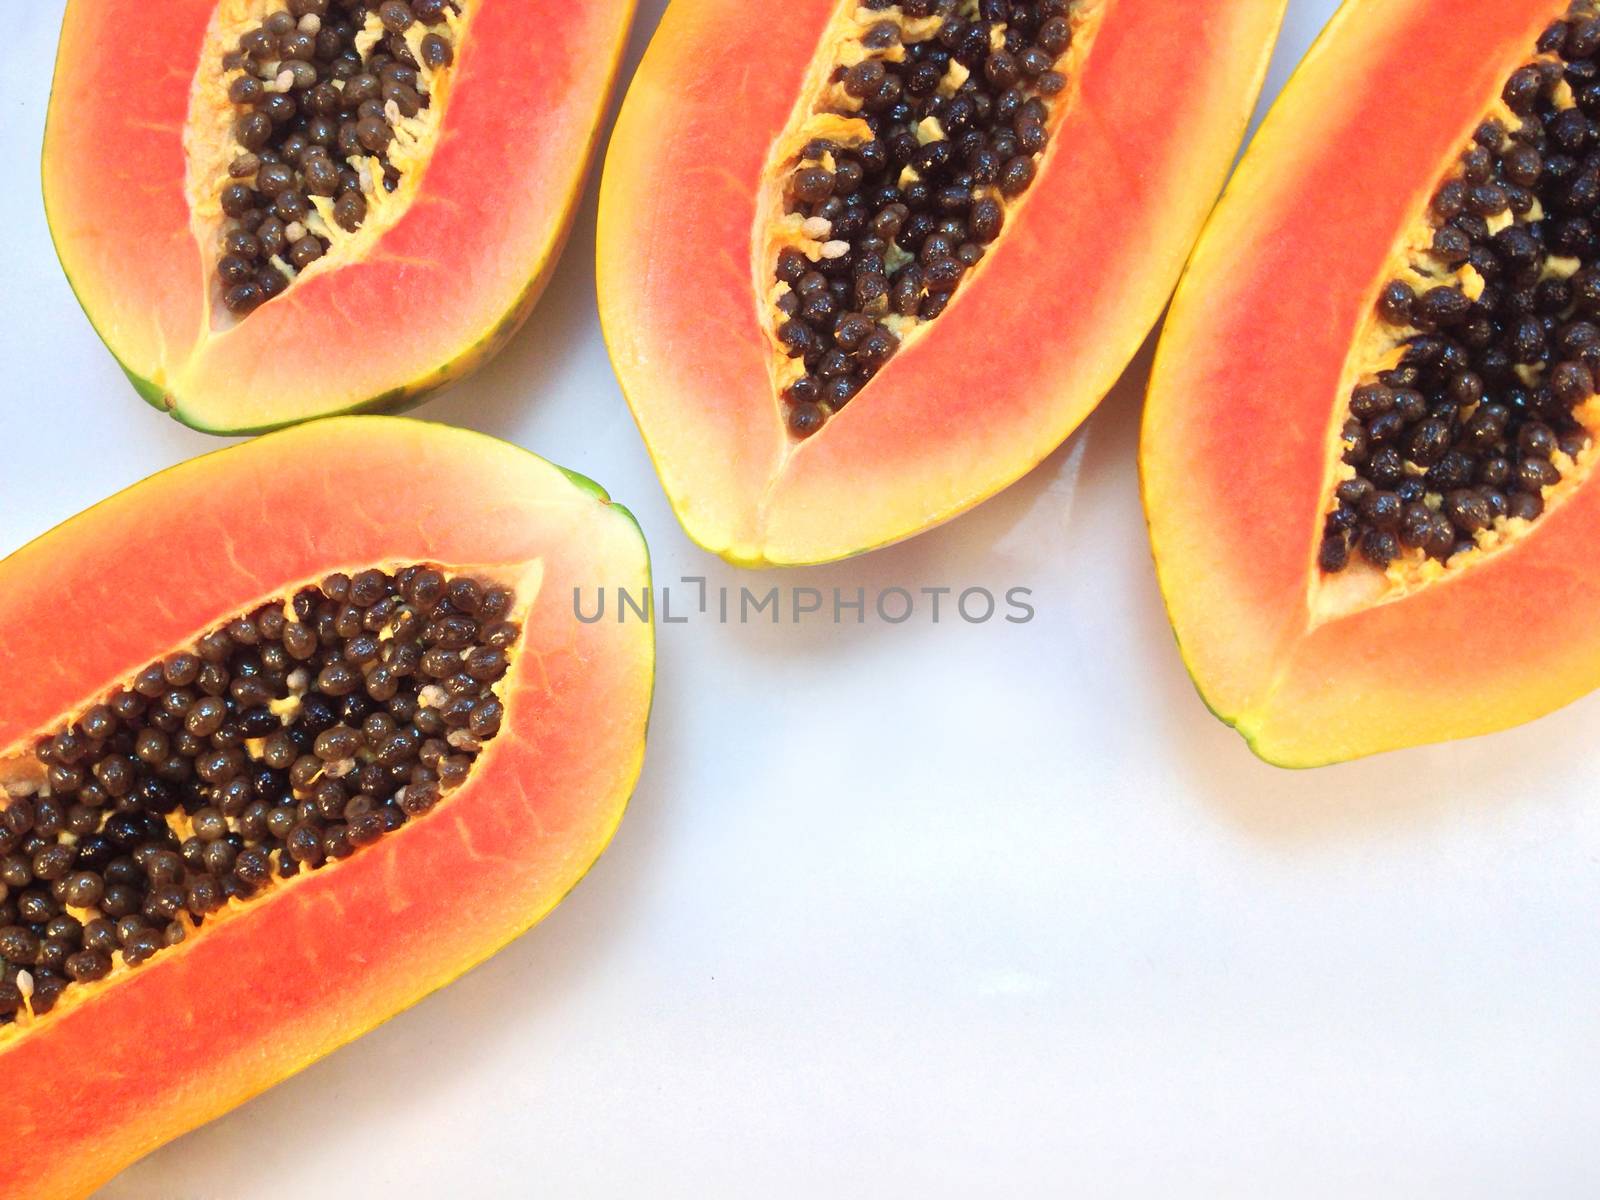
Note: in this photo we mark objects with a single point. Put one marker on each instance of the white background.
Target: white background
(923, 910)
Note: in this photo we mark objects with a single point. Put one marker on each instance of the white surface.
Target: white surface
(924, 910)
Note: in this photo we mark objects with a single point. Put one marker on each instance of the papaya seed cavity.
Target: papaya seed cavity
(1474, 409)
(329, 104)
(926, 127)
(282, 741)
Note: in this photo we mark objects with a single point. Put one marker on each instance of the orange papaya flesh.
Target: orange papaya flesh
(698, 202)
(439, 272)
(1255, 426)
(266, 983)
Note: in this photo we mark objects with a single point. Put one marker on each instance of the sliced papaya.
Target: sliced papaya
(862, 265)
(1370, 429)
(294, 734)
(279, 209)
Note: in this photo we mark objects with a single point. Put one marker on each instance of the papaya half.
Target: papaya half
(862, 265)
(294, 734)
(273, 210)
(1369, 434)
